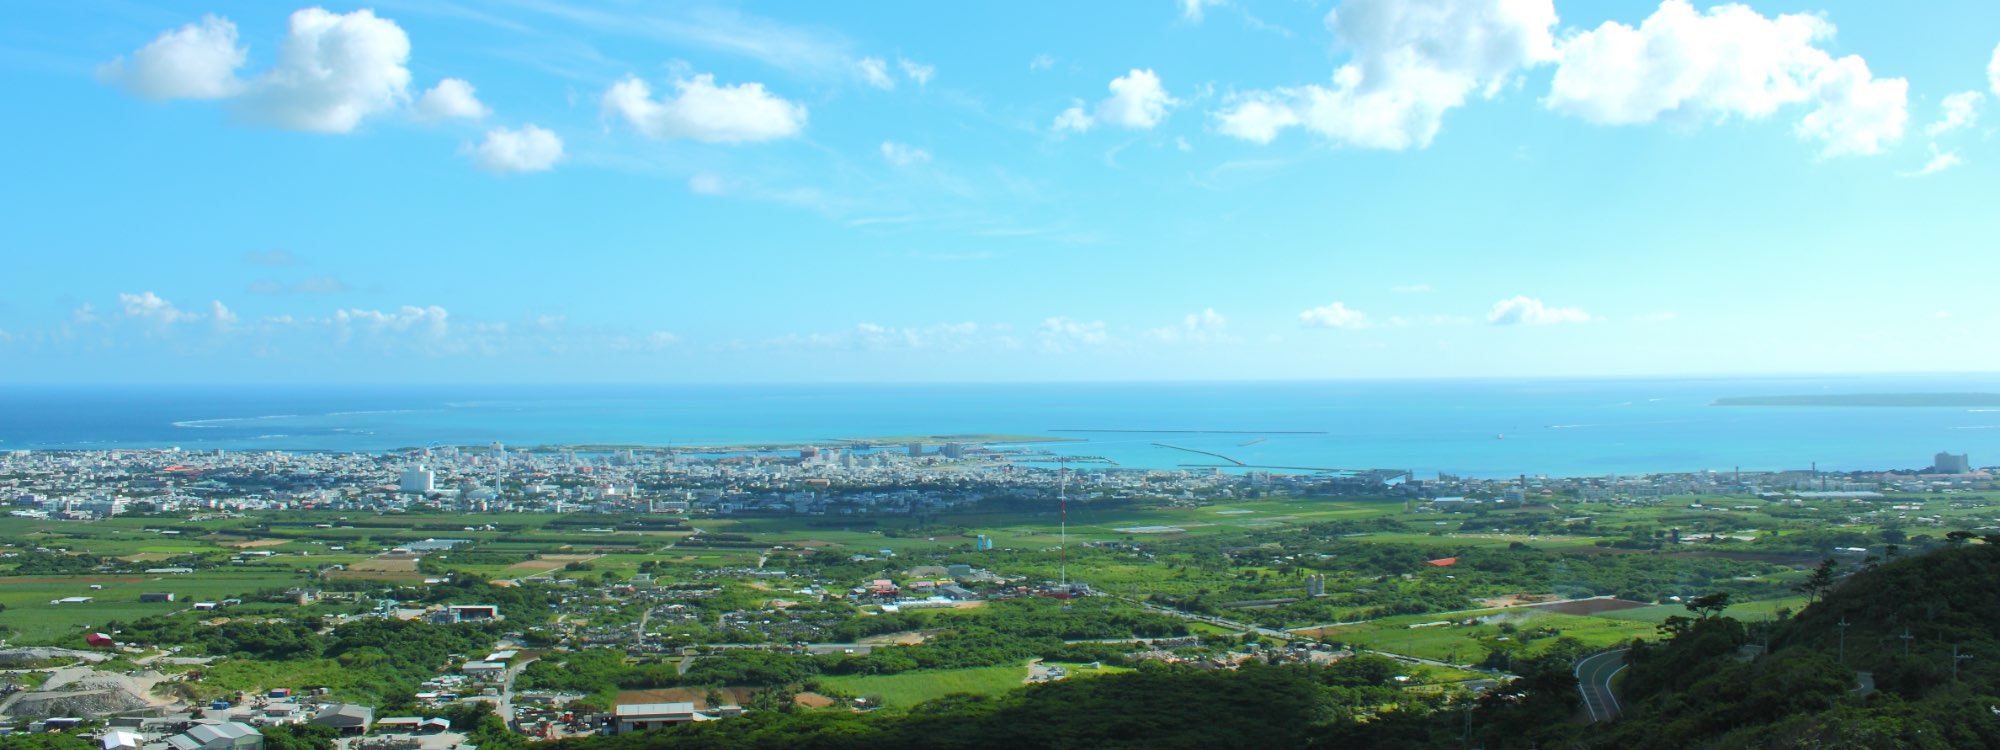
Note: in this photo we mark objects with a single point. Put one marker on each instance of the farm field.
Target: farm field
(911, 688)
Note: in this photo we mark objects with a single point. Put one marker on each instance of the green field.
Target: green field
(911, 688)
(34, 620)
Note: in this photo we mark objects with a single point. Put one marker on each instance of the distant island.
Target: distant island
(1868, 399)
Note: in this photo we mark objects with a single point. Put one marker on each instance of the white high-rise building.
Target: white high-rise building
(419, 480)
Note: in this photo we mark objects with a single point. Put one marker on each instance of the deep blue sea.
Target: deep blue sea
(1490, 428)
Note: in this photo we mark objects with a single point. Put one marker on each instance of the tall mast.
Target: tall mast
(1062, 546)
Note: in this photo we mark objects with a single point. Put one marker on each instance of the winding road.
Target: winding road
(1593, 678)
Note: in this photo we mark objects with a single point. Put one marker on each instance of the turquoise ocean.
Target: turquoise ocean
(1488, 428)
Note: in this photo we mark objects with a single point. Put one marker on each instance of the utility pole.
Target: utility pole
(1955, 659)
(1906, 641)
(1843, 641)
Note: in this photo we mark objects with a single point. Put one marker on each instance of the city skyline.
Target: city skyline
(558, 191)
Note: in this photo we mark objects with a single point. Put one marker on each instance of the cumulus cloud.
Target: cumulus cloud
(1062, 334)
(152, 309)
(903, 154)
(916, 71)
(527, 149)
(1413, 61)
(149, 306)
(1137, 101)
(451, 98)
(1044, 62)
(428, 321)
(1731, 61)
(1207, 326)
(1993, 71)
(196, 61)
(221, 314)
(1523, 310)
(1961, 110)
(333, 70)
(875, 72)
(1940, 161)
(1335, 315)
(700, 110)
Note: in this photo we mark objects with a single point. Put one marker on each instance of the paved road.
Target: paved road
(504, 703)
(1593, 678)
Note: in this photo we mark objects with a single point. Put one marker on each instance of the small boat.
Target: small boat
(1501, 436)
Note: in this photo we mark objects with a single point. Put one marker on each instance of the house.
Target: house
(1442, 562)
(639, 717)
(224, 735)
(120, 740)
(346, 718)
(98, 640)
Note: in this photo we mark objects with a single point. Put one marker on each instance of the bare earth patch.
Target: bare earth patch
(1588, 606)
(253, 544)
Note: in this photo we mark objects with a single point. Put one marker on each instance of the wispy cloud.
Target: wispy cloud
(1524, 310)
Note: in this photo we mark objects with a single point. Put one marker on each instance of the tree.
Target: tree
(1709, 605)
(1819, 582)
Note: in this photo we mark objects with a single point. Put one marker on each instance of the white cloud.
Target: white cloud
(83, 315)
(153, 309)
(1073, 119)
(450, 98)
(1413, 61)
(903, 154)
(1191, 10)
(1137, 101)
(875, 72)
(1961, 110)
(702, 111)
(431, 321)
(220, 314)
(919, 72)
(1530, 311)
(1940, 161)
(1044, 62)
(1257, 117)
(196, 61)
(1993, 71)
(528, 149)
(1061, 334)
(149, 306)
(1335, 315)
(333, 71)
(1207, 326)
(1693, 67)
(662, 339)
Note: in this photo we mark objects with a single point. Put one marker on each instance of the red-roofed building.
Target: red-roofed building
(1442, 562)
(98, 640)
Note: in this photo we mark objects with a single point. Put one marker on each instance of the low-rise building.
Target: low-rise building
(639, 717)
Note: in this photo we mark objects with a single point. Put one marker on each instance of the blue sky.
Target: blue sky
(563, 190)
